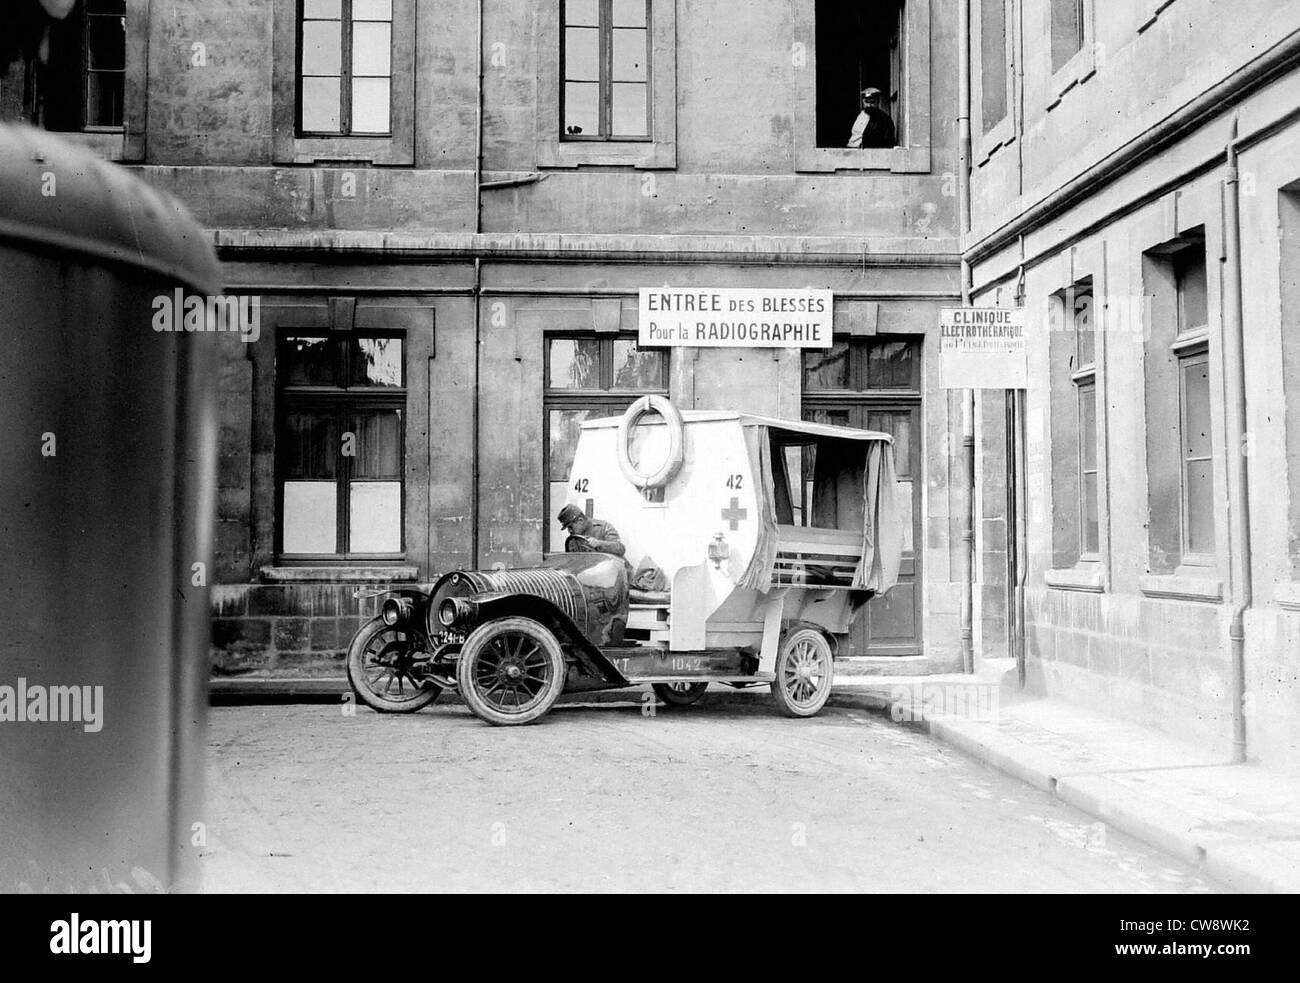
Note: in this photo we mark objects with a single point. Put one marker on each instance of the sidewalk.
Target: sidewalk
(1239, 823)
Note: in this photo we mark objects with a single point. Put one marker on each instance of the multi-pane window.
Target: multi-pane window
(345, 67)
(339, 444)
(84, 86)
(1084, 378)
(1067, 31)
(1191, 349)
(589, 377)
(605, 61)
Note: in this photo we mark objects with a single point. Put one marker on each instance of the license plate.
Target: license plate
(449, 637)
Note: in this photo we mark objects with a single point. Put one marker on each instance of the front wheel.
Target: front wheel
(804, 672)
(380, 661)
(510, 671)
(679, 694)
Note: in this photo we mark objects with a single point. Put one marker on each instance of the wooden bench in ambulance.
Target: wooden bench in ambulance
(806, 556)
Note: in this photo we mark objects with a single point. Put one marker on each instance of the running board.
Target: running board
(758, 677)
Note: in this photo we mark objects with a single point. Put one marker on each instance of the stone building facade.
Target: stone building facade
(1103, 203)
(447, 269)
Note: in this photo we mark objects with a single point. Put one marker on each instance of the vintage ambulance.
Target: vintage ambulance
(750, 544)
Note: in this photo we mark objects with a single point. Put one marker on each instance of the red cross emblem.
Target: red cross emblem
(734, 514)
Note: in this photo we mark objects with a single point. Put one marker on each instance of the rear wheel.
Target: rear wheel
(804, 672)
(510, 671)
(680, 694)
(380, 667)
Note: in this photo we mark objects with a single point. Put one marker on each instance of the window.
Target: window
(343, 81)
(994, 77)
(1067, 31)
(859, 46)
(1076, 527)
(83, 86)
(1196, 465)
(843, 48)
(345, 67)
(1084, 379)
(1071, 34)
(1180, 409)
(589, 377)
(606, 86)
(340, 437)
(606, 61)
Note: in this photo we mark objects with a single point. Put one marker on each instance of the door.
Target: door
(874, 384)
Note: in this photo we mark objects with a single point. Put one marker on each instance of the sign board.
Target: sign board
(982, 348)
(734, 318)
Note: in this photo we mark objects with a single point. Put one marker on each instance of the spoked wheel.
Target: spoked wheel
(380, 661)
(679, 694)
(511, 671)
(804, 672)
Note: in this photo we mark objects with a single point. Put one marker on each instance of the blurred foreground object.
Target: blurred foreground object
(106, 501)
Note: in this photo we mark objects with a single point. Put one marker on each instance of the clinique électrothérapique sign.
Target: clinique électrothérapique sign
(734, 318)
(982, 348)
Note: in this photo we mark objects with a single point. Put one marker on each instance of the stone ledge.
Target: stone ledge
(1287, 595)
(1086, 577)
(893, 251)
(1179, 587)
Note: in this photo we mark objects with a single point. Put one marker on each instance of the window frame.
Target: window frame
(1084, 378)
(289, 146)
(1080, 66)
(990, 139)
(1071, 379)
(1191, 345)
(603, 397)
(346, 35)
(912, 155)
(554, 149)
(605, 32)
(1171, 571)
(87, 71)
(1154, 9)
(342, 401)
(1197, 353)
(127, 142)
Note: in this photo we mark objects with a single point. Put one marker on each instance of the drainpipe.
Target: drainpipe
(1234, 377)
(474, 506)
(1021, 397)
(966, 561)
